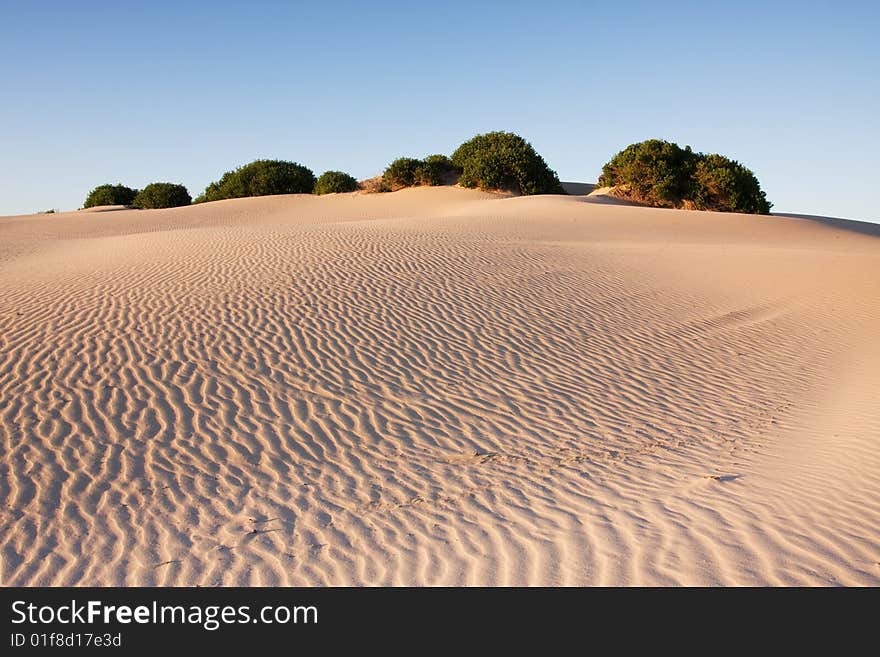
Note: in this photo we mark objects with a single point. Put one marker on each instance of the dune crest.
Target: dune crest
(438, 386)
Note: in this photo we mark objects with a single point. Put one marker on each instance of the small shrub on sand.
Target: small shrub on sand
(408, 172)
(261, 178)
(654, 172)
(727, 186)
(162, 195)
(335, 182)
(662, 174)
(503, 160)
(437, 170)
(110, 195)
(403, 172)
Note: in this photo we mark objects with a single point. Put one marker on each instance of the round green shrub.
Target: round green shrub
(403, 172)
(110, 195)
(335, 182)
(162, 195)
(437, 170)
(654, 172)
(725, 185)
(662, 174)
(261, 178)
(503, 160)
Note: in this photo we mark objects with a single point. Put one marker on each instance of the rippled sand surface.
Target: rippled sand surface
(438, 386)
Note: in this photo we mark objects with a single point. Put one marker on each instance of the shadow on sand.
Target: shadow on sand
(861, 227)
(578, 189)
(586, 190)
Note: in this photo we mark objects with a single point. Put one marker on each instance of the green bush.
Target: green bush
(437, 170)
(403, 172)
(407, 172)
(335, 182)
(261, 178)
(110, 195)
(162, 195)
(503, 160)
(654, 172)
(727, 186)
(662, 174)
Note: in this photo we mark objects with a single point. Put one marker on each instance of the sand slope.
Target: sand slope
(437, 386)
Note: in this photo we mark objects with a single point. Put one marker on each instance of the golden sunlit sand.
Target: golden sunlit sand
(438, 386)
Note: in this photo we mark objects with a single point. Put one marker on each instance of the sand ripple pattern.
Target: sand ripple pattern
(437, 387)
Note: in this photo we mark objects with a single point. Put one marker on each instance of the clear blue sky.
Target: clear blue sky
(181, 91)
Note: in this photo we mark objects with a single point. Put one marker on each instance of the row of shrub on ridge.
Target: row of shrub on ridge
(496, 160)
(653, 172)
(154, 195)
(259, 178)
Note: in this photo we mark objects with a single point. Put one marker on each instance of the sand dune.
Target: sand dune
(437, 386)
